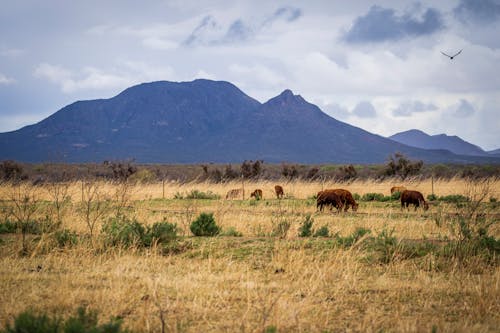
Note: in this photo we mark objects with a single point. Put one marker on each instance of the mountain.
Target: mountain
(495, 152)
(419, 139)
(203, 121)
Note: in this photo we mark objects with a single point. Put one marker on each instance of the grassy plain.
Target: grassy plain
(259, 282)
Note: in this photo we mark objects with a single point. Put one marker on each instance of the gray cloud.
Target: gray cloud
(477, 11)
(382, 24)
(238, 30)
(364, 110)
(207, 23)
(289, 14)
(406, 109)
(464, 109)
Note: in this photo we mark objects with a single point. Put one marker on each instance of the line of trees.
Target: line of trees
(397, 166)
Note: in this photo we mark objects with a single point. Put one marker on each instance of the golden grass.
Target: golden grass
(249, 283)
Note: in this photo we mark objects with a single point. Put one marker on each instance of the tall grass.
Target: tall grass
(400, 276)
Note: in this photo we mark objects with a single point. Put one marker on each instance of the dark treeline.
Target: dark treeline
(397, 166)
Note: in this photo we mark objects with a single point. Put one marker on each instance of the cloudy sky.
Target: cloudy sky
(376, 65)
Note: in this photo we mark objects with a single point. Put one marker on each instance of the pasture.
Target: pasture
(378, 269)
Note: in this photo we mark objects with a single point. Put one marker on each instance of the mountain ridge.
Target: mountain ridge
(453, 143)
(203, 121)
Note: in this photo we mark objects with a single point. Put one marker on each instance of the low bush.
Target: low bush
(122, 231)
(395, 196)
(372, 197)
(65, 238)
(432, 197)
(8, 227)
(195, 194)
(322, 232)
(82, 322)
(305, 229)
(353, 238)
(205, 225)
(232, 232)
(454, 198)
(160, 233)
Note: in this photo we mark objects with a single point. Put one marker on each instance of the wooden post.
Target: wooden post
(432, 184)
(163, 188)
(243, 187)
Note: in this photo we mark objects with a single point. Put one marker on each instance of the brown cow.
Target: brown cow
(413, 198)
(347, 199)
(257, 194)
(279, 191)
(399, 189)
(234, 193)
(328, 198)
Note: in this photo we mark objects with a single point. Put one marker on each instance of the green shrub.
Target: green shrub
(160, 233)
(82, 322)
(356, 196)
(353, 238)
(432, 197)
(205, 225)
(395, 196)
(322, 232)
(120, 230)
(65, 237)
(493, 199)
(305, 229)
(195, 194)
(372, 197)
(385, 244)
(454, 198)
(178, 195)
(232, 232)
(8, 227)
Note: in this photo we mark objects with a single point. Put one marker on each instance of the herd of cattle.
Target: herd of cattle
(340, 199)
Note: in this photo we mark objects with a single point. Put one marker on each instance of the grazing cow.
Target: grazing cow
(328, 198)
(279, 191)
(347, 199)
(257, 194)
(234, 193)
(413, 198)
(399, 189)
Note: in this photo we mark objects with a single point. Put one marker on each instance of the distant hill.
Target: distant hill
(203, 121)
(419, 139)
(495, 152)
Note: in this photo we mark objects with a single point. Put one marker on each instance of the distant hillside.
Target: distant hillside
(495, 152)
(419, 139)
(203, 121)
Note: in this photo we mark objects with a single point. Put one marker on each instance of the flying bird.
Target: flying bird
(453, 56)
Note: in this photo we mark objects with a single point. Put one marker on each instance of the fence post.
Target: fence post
(432, 184)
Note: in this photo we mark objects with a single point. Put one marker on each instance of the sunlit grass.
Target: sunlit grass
(256, 281)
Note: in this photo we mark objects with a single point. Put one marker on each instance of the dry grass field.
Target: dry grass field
(412, 272)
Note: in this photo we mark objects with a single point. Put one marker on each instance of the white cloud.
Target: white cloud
(157, 43)
(408, 108)
(5, 80)
(258, 74)
(90, 78)
(10, 52)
